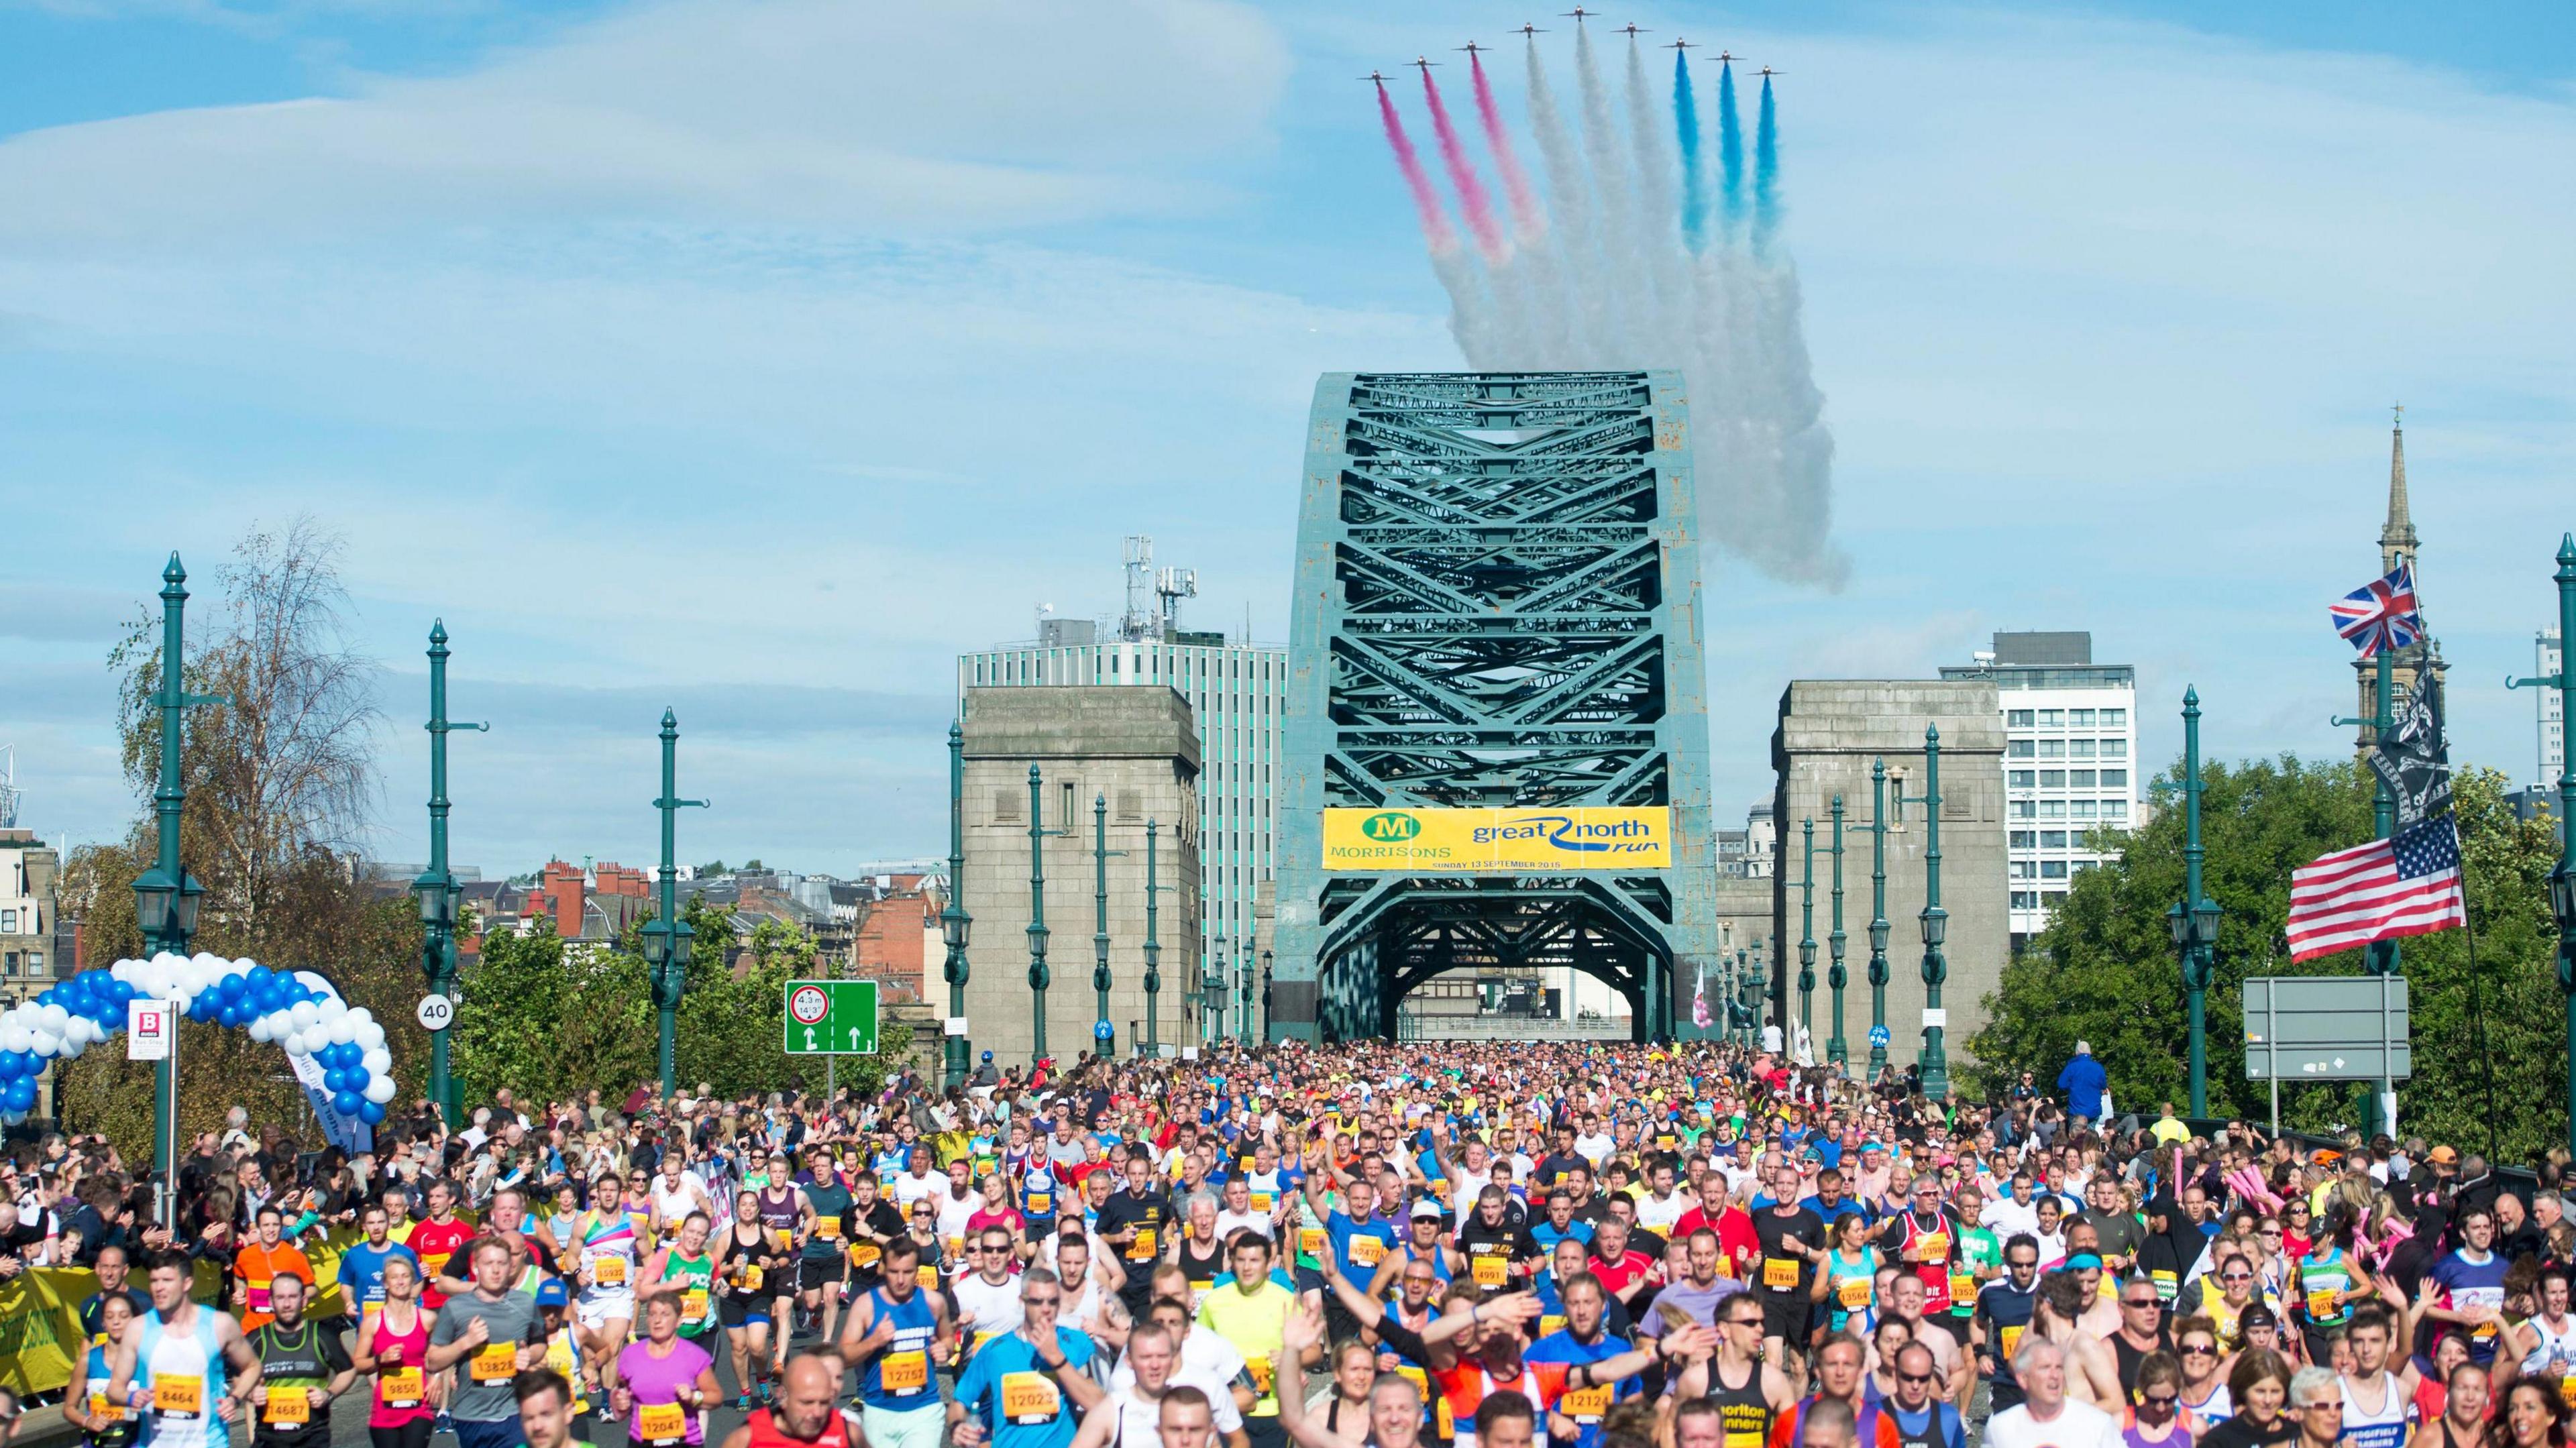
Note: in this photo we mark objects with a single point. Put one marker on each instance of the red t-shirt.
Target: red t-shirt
(1617, 1276)
(1461, 1390)
(1737, 1242)
(434, 1243)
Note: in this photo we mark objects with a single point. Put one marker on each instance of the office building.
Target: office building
(28, 963)
(2070, 756)
(1237, 693)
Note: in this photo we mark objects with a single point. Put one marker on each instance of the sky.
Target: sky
(754, 357)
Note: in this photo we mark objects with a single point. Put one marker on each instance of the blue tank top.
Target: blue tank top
(900, 1377)
(182, 1377)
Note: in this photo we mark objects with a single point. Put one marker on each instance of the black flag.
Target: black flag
(2413, 759)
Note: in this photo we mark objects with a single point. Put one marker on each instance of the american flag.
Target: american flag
(2381, 614)
(2409, 885)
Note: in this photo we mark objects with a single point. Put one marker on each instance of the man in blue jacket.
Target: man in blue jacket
(2082, 1081)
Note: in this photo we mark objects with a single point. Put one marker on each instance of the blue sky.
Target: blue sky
(755, 358)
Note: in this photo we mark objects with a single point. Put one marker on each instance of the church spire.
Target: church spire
(2397, 535)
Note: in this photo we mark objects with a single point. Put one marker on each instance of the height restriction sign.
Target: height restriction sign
(831, 1018)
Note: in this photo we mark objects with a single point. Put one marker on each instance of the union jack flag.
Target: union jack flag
(2381, 613)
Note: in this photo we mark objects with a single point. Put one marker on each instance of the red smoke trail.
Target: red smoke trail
(1526, 214)
(1435, 226)
(1462, 174)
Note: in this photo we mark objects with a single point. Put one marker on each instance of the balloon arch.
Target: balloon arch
(338, 1051)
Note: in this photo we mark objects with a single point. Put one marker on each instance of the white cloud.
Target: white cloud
(901, 118)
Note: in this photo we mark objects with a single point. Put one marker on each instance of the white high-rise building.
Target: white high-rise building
(2070, 749)
(1238, 696)
(2547, 650)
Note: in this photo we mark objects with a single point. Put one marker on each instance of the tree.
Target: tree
(2105, 971)
(278, 783)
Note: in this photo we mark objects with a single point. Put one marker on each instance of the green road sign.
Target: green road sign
(831, 1018)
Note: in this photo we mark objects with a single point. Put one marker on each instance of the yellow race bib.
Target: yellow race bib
(1489, 1270)
(1852, 1293)
(661, 1422)
(1264, 1373)
(2012, 1339)
(179, 1397)
(1550, 1323)
(287, 1405)
(608, 1271)
(402, 1388)
(1585, 1405)
(752, 1276)
(865, 1254)
(1261, 1201)
(100, 1407)
(1963, 1286)
(928, 1276)
(1934, 1246)
(496, 1363)
(1142, 1249)
(2324, 1302)
(1780, 1272)
(693, 1305)
(1310, 1241)
(1030, 1398)
(828, 1228)
(1041, 1203)
(1367, 1251)
(904, 1372)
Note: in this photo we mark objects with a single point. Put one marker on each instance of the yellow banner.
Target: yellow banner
(1581, 838)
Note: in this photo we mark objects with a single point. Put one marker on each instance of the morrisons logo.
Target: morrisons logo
(1391, 827)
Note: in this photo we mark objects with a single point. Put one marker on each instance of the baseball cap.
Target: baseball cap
(550, 1293)
(1426, 1207)
(2443, 1154)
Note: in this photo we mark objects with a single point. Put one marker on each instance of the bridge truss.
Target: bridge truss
(1497, 605)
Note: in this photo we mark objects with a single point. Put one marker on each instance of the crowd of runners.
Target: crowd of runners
(1355, 1246)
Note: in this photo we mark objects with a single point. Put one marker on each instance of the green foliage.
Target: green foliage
(2105, 970)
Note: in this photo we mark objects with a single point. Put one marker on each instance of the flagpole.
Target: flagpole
(2383, 957)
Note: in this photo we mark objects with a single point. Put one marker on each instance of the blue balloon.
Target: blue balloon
(9, 1067)
(357, 1079)
(370, 1113)
(19, 1095)
(346, 1103)
(335, 1080)
(261, 975)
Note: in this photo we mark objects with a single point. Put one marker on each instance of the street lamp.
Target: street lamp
(1243, 978)
(1936, 923)
(2194, 918)
(1153, 951)
(955, 925)
(436, 886)
(1266, 985)
(2562, 880)
(668, 938)
(1877, 917)
(1807, 933)
(1835, 976)
(1212, 993)
(1038, 974)
(1104, 1041)
(166, 896)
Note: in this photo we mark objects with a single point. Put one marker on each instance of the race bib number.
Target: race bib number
(1852, 1293)
(1421, 1380)
(402, 1388)
(752, 1277)
(1262, 1201)
(865, 1254)
(1934, 1246)
(2168, 1285)
(100, 1407)
(928, 1276)
(1551, 1323)
(1310, 1241)
(1264, 1374)
(828, 1228)
(1963, 1285)
(1779, 1273)
(496, 1363)
(1041, 1203)
(2012, 1339)
(1585, 1405)
(2324, 1303)
(435, 1264)
(2567, 1390)
(1030, 1398)
(661, 1422)
(1142, 1249)
(904, 1372)
(1367, 1251)
(287, 1406)
(693, 1305)
(179, 1397)
(1490, 1271)
(608, 1272)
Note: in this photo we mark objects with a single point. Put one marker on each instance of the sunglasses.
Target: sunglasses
(2187, 1350)
(2159, 1400)
(1914, 1377)
(2235, 1276)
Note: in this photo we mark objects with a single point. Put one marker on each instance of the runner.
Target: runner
(302, 1368)
(393, 1348)
(664, 1383)
(895, 1333)
(169, 1365)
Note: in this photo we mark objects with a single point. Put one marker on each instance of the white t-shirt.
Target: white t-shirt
(1208, 1363)
(1659, 1214)
(909, 1189)
(1140, 1423)
(996, 1310)
(2005, 1217)
(1229, 1223)
(2075, 1425)
(1594, 1149)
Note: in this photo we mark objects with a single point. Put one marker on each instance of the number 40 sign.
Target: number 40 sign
(831, 1018)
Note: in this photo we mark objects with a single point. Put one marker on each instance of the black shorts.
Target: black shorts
(1786, 1315)
(816, 1273)
(737, 1312)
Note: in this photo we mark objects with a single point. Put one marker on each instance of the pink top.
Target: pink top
(406, 1384)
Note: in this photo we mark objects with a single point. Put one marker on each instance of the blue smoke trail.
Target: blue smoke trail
(1766, 173)
(1686, 123)
(1730, 148)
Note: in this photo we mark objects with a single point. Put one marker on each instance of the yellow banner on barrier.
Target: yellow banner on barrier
(1587, 837)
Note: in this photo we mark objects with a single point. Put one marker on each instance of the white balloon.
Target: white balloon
(46, 1043)
(341, 1030)
(371, 1036)
(15, 1037)
(332, 1008)
(73, 1048)
(379, 1090)
(259, 1029)
(53, 1018)
(294, 1044)
(378, 1061)
(315, 1037)
(304, 1014)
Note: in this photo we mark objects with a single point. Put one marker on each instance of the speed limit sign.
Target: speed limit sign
(435, 1012)
(809, 1005)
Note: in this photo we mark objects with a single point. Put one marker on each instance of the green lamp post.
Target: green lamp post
(1936, 923)
(1807, 933)
(1836, 1050)
(1103, 1034)
(2562, 879)
(1243, 979)
(668, 939)
(166, 896)
(1153, 949)
(2194, 918)
(1212, 994)
(2380, 957)
(1266, 986)
(955, 925)
(436, 885)
(1038, 974)
(1877, 917)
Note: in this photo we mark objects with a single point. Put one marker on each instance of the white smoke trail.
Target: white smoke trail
(1614, 285)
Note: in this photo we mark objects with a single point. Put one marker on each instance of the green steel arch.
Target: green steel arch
(1497, 605)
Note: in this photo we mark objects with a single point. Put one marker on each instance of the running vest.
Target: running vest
(831, 1203)
(608, 1251)
(1202, 1270)
(765, 1434)
(183, 1376)
(2325, 1288)
(696, 1314)
(119, 1431)
(899, 1378)
(753, 1277)
(1741, 1410)
(2390, 1427)
(290, 1363)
